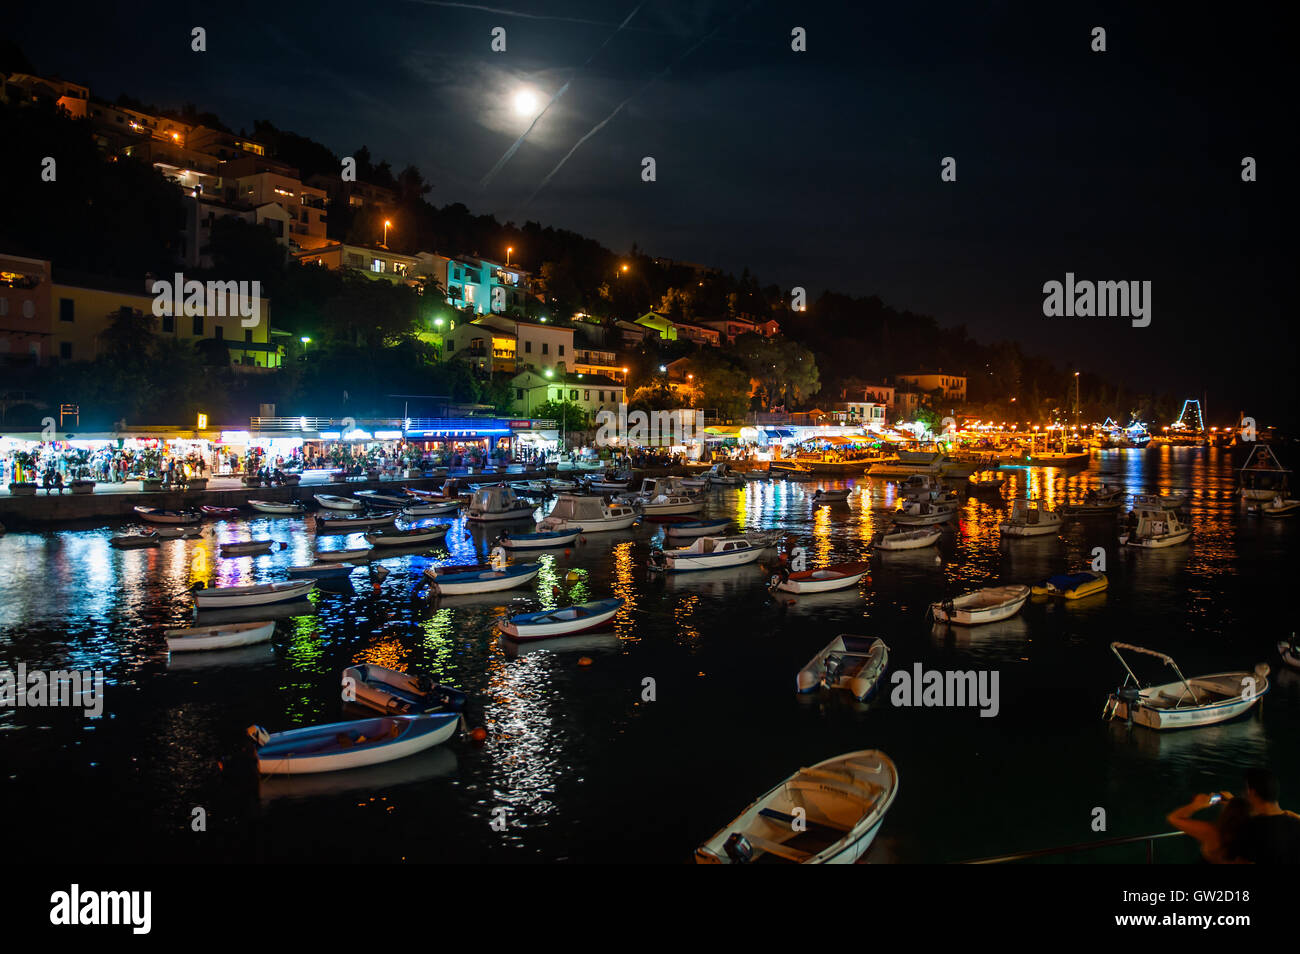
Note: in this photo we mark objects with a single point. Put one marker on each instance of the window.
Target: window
(546, 348)
(66, 308)
(519, 394)
(220, 332)
(573, 395)
(561, 351)
(168, 324)
(451, 344)
(602, 396)
(559, 395)
(65, 350)
(528, 347)
(198, 325)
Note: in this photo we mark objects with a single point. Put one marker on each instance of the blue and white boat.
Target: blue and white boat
(538, 541)
(696, 528)
(398, 693)
(322, 570)
(482, 581)
(561, 622)
(706, 553)
(336, 746)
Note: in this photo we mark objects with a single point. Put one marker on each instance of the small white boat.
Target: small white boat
(332, 502)
(538, 541)
(755, 474)
(188, 532)
(238, 548)
(323, 571)
(561, 622)
(348, 523)
(706, 553)
(1184, 703)
(1277, 507)
(482, 581)
(607, 483)
(407, 537)
(223, 636)
(354, 553)
(670, 505)
(491, 504)
(346, 745)
(431, 509)
(827, 579)
(1153, 527)
(398, 693)
(833, 495)
(721, 475)
(827, 814)
(985, 481)
(1289, 650)
(1161, 501)
(906, 538)
(277, 506)
(988, 605)
(855, 663)
(134, 541)
(588, 514)
(686, 529)
(377, 498)
(923, 512)
(259, 594)
(1029, 518)
(155, 515)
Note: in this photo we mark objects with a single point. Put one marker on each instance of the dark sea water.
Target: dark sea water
(588, 771)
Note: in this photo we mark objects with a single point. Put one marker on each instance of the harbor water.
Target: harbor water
(637, 744)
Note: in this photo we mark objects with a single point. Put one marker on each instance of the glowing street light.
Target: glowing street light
(387, 225)
(509, 249)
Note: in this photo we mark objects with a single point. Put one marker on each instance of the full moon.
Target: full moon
(525, 102)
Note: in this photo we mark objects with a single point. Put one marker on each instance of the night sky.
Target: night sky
(820, 168)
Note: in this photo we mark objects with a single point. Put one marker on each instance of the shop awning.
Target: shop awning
(778, 432)
(723, 430)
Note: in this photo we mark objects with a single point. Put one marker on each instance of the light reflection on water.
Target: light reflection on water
(582, 764)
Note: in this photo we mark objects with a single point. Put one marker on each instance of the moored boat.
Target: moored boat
(277, 506)
(259, 594)
(431, 509)
(1277, 507)
(839, 576)
(588, 514)
(855, 663)
(345, 745)
(406, 536)
(567, 621)
(335, 502)
(1029, 518)
(398, 693)
(906, 538)
(696, 528)
(353, 553)
(1072, 586)
(221, 636)
(824, 495)
(482, 581)
(378, 498)
(827, 814)
(670, 505)
(1289, 650)
(347, 523)
(134, 541)
(706, 553)
(987, 605)
(219, 511)
(1183, 703)
(238, 548)
(323, 571)
(187, 531)
(1152, 527)
(496, 503)
(923, 512)
(157, 515)
(538, 541)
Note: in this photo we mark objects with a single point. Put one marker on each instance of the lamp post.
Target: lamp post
(387, 225)
(509, 249)
(1076, 399)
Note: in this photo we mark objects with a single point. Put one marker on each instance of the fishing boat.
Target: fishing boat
(333, 502)
(345, 745)
(398, 693)
(1097, 500)
(721, 475)
(588, 514)
(988, 605)
(1072, 586)
(1029, 518)
(222, 636)
(538, 541)
(482, 581)
(219, 511)
(915, 463)
(134, 541)
(238, 548)
(838, 576)
(406, 537)
(696, 528)
(323, 571)
(353, 553)
(706, 553)
(825, 495)
(923, 487)
(1152, 527)
(855, 663)
(491, 504)
(259, 594)
(580, 618)
(1262, 476)
(980, 481)
(1184, 703)
(171, 532)
(827, 814)
(906, 538)
(1289, 650)
(155, 515)
(377, 498)
(1165, 501)
(348, 523)
(669, 505)
(755, 474)
(277, 506)
(609, 482)
(431, 509)
(922, 512)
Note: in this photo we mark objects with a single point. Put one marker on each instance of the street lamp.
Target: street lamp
(387, 225)
(305, 342)
(1076, 399)
(509, 249)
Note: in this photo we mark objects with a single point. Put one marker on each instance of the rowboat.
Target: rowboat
(824, 496)
(923, 512)
(355, 553)
(561, 622)
(277, 506)
(322, 571)
(982, 606)
(1152, 527)
(446, 569)
(134, 541)
(696, 528)
(259, 594)
(332, 502)
(538, 541)
(1072, 586)
(706, 553)
(855, 663)
(839, 576)
(827, 814)
(219, 511)
(1289, 650)
(608, 483)
(1184, 703)
(492, 504)
(345, 745)
(1277, 507)
(406, 537)
(155, 515)
(904, 538)
(223, 636)
(380, 499)
(350, 522)
(668, 505)
(430, 509)
(482, 581)
(588, 514)
(239, 548)
(398, 693)
(1029, 518)
(189, 532)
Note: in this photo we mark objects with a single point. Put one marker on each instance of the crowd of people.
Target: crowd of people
(1251, 828)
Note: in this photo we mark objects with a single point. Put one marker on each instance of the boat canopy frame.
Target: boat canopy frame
(1163, 657)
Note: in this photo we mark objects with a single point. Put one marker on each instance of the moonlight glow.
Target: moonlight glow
(525, 102)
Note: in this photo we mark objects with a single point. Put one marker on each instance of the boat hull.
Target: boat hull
(802, 583)
(1190, 717)
(278, 757)
(228, 636)
(541, 541)
(521, 628)
(487, 582)
(217, 599)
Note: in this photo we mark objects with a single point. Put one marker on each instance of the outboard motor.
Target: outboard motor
(738, 849)
(1131, 696)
